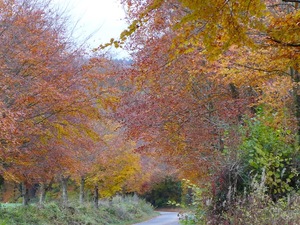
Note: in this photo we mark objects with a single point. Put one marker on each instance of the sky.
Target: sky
(102, 18)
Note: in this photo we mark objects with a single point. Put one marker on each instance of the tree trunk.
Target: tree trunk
(42, 193)
(236, 95)
(81, 193)
(64, 188)
(25, 194)
(96, 197)
(2, 188)
(296, 90)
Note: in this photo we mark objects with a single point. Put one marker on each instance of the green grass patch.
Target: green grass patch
(120, 210)
(9, 205)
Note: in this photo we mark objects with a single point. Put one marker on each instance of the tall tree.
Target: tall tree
(46, 96)
(198, 66)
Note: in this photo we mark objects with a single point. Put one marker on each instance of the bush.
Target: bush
(255, 207)
(259, 184)
(259, 208)
(266, 147)
(231, 181)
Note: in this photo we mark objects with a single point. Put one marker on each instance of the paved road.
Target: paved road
(165, 218)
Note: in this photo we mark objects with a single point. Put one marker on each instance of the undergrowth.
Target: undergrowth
(119, 210)
(256, 207)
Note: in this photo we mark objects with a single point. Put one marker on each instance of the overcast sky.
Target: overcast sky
(105, 17)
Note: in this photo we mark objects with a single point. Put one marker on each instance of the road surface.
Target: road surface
(165, 218)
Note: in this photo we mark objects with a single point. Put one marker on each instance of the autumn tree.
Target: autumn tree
(46, 100)
(175, 105)
(199, 69)
(113, 164)
(262, 32)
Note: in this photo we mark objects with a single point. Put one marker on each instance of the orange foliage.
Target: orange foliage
(199, 67)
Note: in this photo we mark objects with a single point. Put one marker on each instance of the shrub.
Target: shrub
(229, 182)
(259, 208)
(259, 184)
(265, 147)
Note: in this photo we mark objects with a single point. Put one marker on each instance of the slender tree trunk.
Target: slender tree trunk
(64, 188)
(44, 188)
(81, 193)
(42, 193)
(296, 90)
(235, 95)
(2, 188)
(25, 194)
(96, 197)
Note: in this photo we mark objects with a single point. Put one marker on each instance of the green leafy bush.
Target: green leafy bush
(259, 184)
(265, 148)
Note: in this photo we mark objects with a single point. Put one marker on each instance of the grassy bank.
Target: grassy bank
(121, 210)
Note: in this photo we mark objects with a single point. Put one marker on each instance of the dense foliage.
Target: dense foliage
(214, 89)
(55, 101)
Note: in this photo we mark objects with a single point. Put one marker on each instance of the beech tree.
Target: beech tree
(176, 105)
(113, 164)
(199, 69)
(262, 32)
(45, 98)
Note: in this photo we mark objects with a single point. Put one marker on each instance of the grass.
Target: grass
(119, 211)
(9, 205)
